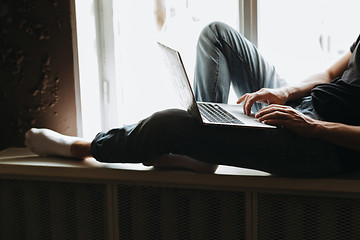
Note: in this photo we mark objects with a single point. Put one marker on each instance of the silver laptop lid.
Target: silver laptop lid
(180, 80)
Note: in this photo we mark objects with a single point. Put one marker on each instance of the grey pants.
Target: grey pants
(223, 57)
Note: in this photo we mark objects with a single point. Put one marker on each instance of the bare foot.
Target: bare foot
(181, 161)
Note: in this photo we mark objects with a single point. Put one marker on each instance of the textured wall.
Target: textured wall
(36, 68)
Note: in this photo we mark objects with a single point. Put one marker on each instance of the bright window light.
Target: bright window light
(304, 37)
(88, 56)
(144, 86)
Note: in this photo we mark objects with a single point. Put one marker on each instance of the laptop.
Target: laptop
(205, 112)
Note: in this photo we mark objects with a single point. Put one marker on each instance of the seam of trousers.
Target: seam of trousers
(246, 65)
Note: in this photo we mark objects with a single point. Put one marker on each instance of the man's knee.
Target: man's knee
(215, 30)
(210, 32)
(215, 33)
(168, 122)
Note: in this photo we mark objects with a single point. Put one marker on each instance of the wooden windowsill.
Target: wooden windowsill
(20, 162)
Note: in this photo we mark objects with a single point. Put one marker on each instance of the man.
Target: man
(318, 132)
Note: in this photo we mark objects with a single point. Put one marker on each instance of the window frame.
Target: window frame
(111, 105)
(248, 20)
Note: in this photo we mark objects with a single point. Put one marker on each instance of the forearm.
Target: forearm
(299, 90)
(303, 88)
(340, 134)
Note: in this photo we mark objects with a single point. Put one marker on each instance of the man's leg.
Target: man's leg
(223, 57)
(81, 149)
(47, 142)
(277, 151)
(176, 132)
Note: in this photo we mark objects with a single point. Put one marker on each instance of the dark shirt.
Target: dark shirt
(339, 100)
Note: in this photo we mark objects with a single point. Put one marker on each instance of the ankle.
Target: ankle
(80, 149)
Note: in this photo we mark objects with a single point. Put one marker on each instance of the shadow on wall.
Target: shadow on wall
(36, 69)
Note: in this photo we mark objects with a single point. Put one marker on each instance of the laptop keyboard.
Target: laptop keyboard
(215, 113)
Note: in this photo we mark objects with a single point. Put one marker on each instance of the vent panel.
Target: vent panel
(50, 210)
(307, 217)
(171, 213)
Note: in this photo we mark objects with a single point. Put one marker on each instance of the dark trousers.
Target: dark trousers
(175, 131)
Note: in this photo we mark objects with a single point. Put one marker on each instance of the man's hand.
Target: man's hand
(280, 115)
(264, 95)
(339, 134)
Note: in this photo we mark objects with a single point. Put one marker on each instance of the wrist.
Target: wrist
(321, 129)
(288, 93)
(318, 129)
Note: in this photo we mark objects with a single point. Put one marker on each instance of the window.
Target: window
(122, 77)
(88, 99)
(143, 83)
(302, 37)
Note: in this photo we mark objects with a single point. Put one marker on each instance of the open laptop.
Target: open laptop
(205, 112)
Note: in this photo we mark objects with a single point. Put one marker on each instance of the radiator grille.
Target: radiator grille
(49, 210)
(304, 217)
(171, 213)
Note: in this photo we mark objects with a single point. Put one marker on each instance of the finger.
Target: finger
(279, 105)
(249, 102)
(257, 97)
(276, 122)
(272, 108)
(245, 102)
(266, 110)
(277, 115)
(242, 98)
(276, 106)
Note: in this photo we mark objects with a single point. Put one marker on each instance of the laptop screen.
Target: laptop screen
(180, 80)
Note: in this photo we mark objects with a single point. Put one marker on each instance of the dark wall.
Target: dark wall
(36, 69)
